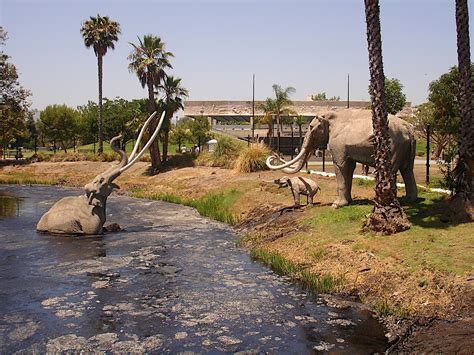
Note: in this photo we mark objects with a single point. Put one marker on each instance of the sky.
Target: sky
(310, 45)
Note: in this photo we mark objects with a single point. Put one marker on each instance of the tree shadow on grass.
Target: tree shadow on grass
(362, 202)
(432, 212)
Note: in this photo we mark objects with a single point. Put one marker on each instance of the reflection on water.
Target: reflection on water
(9, 205)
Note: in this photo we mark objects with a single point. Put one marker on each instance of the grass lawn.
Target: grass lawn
(421, 147)
(172, 148)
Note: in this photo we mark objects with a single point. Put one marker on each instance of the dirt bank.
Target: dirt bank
(420, 282)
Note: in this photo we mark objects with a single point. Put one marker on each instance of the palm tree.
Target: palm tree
(173, 96)
(465, 164)
(387, 216)
(275, 108)
(282, 103)
(300, 121)
(268, 108)
(148, 60)
(100, 33)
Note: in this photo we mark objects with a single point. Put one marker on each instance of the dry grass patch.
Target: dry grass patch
(252, 158)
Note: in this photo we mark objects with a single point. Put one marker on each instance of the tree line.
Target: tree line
(150, 61)
(65, 128)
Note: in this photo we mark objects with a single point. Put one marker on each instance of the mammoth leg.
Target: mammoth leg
(410, 184)
(344, 174)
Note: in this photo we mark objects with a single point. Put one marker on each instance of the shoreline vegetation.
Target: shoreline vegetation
(409, 280)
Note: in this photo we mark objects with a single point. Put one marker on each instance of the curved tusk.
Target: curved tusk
(113, 172)
(293, 170)
(137, 143)
(123, 156)
(270, 160)
(147, 145)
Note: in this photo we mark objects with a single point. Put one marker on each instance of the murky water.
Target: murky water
(172, 281)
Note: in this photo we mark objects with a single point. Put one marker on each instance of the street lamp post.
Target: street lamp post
(253, 108)
(427, 154)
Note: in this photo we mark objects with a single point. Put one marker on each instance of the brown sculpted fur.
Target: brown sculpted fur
(349, 135)
(86, 214)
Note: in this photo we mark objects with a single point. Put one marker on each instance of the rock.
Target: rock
(100, 284)
(323, 346)
(228, 340)
(444, 219)
(180, 335)
(128, 347)
(152, 343)
(66, 343)
(391, 338)
(103, 341)
(342, 322)
(112, 228)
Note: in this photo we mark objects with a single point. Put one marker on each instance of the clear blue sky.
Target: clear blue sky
(310, 45)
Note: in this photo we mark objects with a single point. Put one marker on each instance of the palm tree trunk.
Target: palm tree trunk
(301, 135)
(166, 132)
(165, 146)
(154, 147)
(465, 164)
(99, 123)
(387, 216)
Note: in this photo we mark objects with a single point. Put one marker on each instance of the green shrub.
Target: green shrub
(252, 158)
(325, 283)
(216, 205)
(225, 154)
(226, 147)
(71, 156)
(204, 159)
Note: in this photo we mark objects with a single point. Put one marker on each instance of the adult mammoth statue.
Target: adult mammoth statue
(349, 136)
(86, 214)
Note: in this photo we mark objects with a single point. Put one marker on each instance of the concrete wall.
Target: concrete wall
(244, 108)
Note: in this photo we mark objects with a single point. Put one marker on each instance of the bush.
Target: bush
(226, 152)
(180, 160)
(63, 157)
(252, 158)
(204, 159)
(446, 165)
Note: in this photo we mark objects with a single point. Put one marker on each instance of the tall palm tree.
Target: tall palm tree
(387, 216)
(268, 108)
(148, 60)
(173, 96)
(463, 173)
(275, 108)
(100, 33)
(300, 121)
(282, 103)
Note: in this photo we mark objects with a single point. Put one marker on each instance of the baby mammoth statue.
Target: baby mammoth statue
(299, 186)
